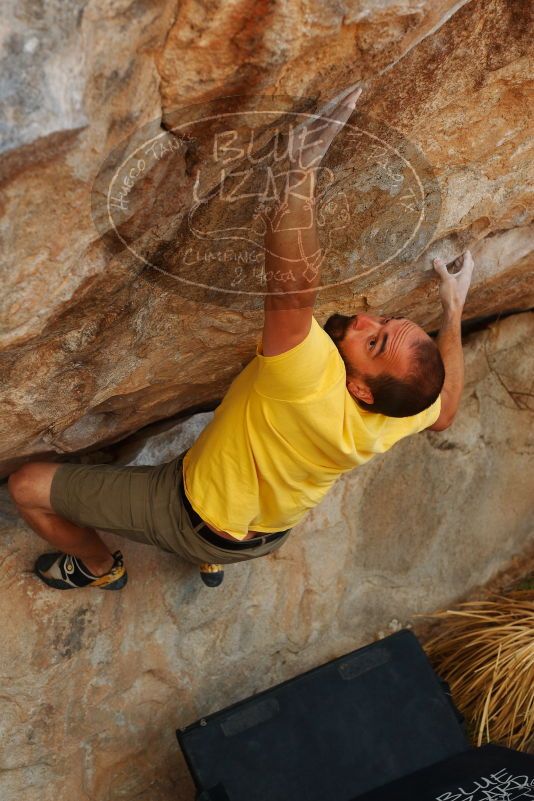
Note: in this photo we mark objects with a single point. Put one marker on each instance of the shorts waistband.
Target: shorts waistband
(221, 542)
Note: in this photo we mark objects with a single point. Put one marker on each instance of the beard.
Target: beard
(337, 324)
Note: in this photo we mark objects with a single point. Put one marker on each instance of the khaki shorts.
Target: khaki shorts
(142, 504)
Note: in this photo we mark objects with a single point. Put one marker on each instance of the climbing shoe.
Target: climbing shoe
(64, 572)
(211, 575)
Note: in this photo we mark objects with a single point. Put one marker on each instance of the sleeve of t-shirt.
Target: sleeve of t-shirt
(309, 369)
(395, 428)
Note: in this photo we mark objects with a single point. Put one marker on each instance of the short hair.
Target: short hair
(404, 397)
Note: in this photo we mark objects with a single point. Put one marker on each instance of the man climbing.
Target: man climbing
(313, 404)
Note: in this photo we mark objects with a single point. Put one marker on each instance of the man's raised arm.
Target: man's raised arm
(292, 251)
(453, 291)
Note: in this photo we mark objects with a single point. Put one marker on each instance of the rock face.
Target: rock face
(132, 292)
(108, 323)
(94, 686)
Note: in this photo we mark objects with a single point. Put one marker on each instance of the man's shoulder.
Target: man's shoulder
(308, 368)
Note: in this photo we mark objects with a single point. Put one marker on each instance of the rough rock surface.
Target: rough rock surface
(93, 345)
(94, 684)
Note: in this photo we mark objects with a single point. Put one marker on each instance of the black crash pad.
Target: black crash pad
(342, 729)
(489, 773)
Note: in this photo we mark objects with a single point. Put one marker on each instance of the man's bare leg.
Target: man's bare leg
(29, 487)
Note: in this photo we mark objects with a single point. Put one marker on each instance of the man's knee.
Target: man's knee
(30, 484)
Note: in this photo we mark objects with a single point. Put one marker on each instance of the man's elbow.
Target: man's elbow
(443, 422)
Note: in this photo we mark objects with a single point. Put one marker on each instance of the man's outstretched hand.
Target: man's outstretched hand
(453, 287)
(309, 141)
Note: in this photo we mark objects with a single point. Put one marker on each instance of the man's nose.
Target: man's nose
(367, 323)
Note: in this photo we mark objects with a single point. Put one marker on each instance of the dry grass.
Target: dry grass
(484, 649)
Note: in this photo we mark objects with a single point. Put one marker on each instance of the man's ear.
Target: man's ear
(359, 390)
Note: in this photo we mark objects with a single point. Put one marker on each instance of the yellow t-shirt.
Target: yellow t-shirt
(285, 431)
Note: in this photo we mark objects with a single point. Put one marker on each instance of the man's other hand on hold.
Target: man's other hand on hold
(453, 287)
